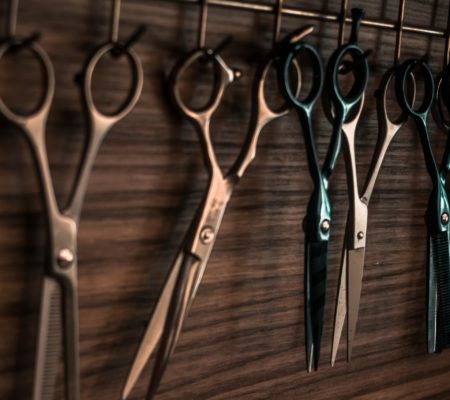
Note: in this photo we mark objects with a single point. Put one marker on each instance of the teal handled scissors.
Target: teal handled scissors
(59, 322)
(317, 222)
(437, 215)
(346, 111)
(186, 272)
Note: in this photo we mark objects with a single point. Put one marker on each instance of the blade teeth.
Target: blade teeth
(53, 346)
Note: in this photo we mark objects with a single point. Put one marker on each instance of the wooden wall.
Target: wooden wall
(244, 338)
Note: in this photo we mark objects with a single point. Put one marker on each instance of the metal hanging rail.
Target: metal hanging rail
(314, 15)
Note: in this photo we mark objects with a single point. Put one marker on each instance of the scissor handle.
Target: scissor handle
(405, 71)
(442, 91)
(40, 112)
(224, 76)
(346, 102)
(439, 104)
(99, 118)
(287, 62)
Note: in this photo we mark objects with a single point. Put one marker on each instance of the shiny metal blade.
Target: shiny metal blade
(49, 341)
(154, 328)
(355, 268)
(315, 290)
(341, 305)
(179, 308)
(71, 338)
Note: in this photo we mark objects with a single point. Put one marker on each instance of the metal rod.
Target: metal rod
(447, 40)
(12, 18)
(319, 16)
(115, 21)
(278, 17)
(342, 20)
(399, 38)
(202, 23)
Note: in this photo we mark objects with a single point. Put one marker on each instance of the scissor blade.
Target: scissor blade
(341, 304)
(431, 300)
(355, 268)
(49, 341)
(440, 245)
(178, 310)
(315, 289)
(71, 337)
(154, 328)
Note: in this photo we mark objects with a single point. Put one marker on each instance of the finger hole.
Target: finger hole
(311, 67)
(24, 69)
(197, 81)
(440, 110)
(108, 78)
(424, 87)
(350, 75)
(386, 94)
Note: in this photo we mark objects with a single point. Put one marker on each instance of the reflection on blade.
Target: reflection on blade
(49, 341)
(154, 328)
(341, 304)
(355, 265)
(315, 290)
(179, 308)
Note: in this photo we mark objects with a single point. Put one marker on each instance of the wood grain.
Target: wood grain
(245, 334)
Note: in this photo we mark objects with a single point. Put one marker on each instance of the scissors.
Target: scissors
(187, 270)
(438, 289)
(59, 320)
(346, 111)
(437, 215)
(317, 222)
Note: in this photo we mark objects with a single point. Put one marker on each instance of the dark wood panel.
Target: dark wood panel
(245, 333)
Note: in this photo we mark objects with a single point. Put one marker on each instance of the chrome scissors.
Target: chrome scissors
(346, 111)
(187, 270)
(59, 321)
(317, 221)
(437, 215)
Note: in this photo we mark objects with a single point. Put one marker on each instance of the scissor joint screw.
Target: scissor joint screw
(444, 218)
(65, 258)
(325, 226)
(360, 235)
(207, 235)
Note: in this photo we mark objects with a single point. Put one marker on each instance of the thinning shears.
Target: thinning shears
(346, 110)
(317, 221)
(59, 321)
(187, 270)
(437, 215)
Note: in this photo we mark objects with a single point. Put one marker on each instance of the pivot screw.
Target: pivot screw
(444, 218)
(65, 258)
(207, 235)
(325, 226)
(360, 235)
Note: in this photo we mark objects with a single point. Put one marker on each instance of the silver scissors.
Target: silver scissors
(352, 263)
(59, 322)
(187, 270)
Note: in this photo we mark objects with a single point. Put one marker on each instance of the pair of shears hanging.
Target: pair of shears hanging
(438, 272)
(187, 270)
(317, 221)
(59, 322)
(345, 109)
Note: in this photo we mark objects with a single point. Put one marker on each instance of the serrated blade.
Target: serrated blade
(49, 341)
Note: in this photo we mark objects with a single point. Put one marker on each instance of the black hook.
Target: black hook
(121, 48)
(357, 16)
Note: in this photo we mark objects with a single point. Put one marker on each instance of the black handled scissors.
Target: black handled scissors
(346, 111)
(437, 216)
(317, 221)
(442, 280)
(59, 323)
(186, 272)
